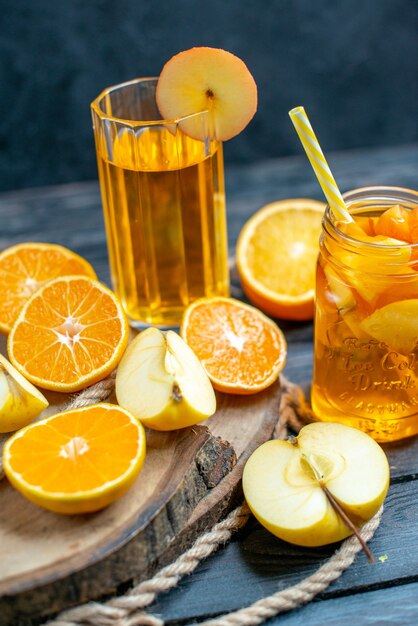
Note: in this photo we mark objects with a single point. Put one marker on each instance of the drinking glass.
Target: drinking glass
(162, 187)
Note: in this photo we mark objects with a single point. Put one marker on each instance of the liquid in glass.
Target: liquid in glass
(164, 207)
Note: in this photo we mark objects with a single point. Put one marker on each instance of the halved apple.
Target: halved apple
(20, 401)
(162, 382)
(208, 79)
(286, 497)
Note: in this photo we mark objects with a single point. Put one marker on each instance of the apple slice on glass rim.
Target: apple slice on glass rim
(207, 79)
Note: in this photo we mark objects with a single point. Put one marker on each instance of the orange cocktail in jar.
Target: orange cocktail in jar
(366, 322)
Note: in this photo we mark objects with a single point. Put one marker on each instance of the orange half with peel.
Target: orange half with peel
(77, 461)
(26, 267)
(276, 256)
(69, 335)
(241, 349)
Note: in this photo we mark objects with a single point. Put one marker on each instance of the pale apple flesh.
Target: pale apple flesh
(286, 497)
(395, 324)
(207, 79)
(20, 401)
(162, 382)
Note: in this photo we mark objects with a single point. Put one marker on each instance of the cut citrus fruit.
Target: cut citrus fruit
(394, 223)
(242, 350)
(77, 461)
(413, 225)
(70, 334)
(395, 324)
(26, 267)
(276, 257)
(208, 79)
(367, 224)
(20, 401)
(371, 271)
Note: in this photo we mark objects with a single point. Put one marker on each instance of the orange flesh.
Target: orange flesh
(276, 257)
(80, 451)
(237, 345)
(413, 225)
(287, 270)
(396, 222)
(367, 224)
(25, 268)
(72, 328)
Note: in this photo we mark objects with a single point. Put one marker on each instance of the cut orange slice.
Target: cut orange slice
(26, 267)
(242, 350)
(413, 225)
(276, 257)
(394, 223)
(77, 461)
(70, 334)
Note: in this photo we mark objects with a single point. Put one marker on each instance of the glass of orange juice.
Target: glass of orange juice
(164, 204)
(366, 319)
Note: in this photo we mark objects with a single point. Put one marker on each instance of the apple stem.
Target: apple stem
(337, 507)
(340, 511)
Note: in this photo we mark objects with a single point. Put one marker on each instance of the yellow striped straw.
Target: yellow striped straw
(320, 166)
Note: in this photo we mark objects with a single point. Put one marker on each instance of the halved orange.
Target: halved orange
(26, 267)
(241, 349)
(276, 256)
(77, 461)
(70, 334)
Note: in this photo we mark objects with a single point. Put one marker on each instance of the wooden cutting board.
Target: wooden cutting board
(190, 479)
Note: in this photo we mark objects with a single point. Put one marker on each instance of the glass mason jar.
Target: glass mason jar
(366, 324)
(162, 186)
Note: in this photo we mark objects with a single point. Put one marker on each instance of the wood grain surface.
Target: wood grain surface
(49, 561)
(255, 563)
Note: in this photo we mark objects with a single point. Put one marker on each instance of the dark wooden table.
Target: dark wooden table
(255, 563)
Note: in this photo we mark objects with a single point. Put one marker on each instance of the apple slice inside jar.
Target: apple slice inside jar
(396, 325)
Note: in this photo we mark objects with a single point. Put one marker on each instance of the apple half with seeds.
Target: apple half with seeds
(207, 79)
(284, 483)
(162, 382)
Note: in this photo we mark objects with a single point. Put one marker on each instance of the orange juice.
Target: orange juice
(366, 322)
(164, 208)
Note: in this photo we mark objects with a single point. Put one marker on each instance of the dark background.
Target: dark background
(352, 64)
